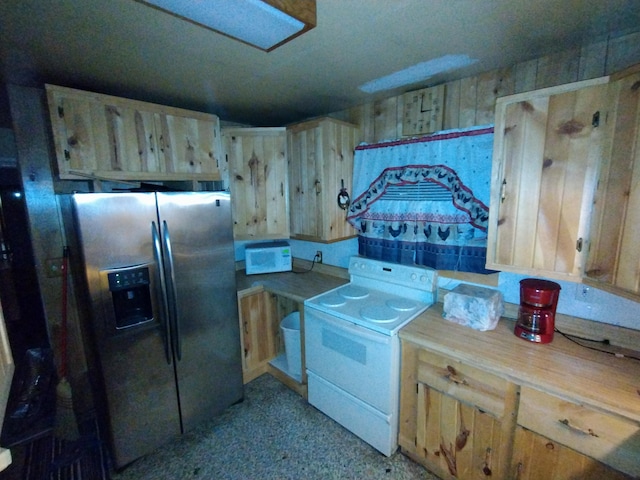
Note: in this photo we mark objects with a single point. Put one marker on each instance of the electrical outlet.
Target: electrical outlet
(584, 293)
(318, 257)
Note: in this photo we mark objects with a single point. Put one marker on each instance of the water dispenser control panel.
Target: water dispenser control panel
(131, 296)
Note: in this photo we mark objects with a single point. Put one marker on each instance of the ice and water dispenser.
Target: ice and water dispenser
(130, 290)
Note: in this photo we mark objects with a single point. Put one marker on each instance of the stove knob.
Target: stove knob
(414, 276)
(423, 278)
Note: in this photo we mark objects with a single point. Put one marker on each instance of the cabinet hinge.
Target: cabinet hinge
(579, 245)
(595, 120)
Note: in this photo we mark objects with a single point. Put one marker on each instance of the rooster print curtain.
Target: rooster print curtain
(424, 200)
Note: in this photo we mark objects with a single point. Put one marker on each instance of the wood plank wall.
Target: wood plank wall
(471, 101)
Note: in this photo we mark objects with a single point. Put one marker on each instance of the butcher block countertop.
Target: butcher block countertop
(561, 368)
(298, 284)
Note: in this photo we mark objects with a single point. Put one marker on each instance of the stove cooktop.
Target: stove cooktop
(374, 309)
(381, 296)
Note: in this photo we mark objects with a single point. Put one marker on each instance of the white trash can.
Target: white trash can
(290, 328)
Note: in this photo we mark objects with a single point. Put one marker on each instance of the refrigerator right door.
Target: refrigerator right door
(197, 230)
(127, 320)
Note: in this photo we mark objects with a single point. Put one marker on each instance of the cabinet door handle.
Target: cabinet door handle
(519, 470)
(503, 190)
(453, 376)
(583, 431)
(579, 244)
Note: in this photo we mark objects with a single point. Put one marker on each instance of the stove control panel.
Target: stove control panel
(413, 276)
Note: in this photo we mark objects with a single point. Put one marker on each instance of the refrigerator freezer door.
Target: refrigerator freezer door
(138, 382)
(199, 231)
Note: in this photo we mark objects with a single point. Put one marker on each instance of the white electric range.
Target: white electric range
(353, 350)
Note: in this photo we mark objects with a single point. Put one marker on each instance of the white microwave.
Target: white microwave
(267, 257)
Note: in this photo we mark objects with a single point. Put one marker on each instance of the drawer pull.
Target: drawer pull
(487, 462)
(453, 376)
(583, 431)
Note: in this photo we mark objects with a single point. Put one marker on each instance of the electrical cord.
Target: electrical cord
(574, 338)
(311, 268)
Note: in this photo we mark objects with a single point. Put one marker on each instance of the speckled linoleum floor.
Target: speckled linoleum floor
(273, 434)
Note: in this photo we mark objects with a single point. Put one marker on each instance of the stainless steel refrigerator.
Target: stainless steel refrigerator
(160, 272)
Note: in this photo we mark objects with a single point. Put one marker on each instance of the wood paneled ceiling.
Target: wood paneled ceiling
(126, 48)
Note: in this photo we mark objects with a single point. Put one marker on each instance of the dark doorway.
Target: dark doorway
(30, 409)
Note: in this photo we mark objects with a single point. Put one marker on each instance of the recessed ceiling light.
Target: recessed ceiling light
(417, 73)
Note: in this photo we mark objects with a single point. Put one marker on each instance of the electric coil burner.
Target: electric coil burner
(353, 350)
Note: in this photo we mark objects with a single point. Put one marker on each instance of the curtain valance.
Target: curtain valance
(425, 200)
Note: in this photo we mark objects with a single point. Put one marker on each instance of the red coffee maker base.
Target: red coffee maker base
(533, 337)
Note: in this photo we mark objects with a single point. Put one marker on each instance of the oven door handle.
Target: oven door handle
(346, 326)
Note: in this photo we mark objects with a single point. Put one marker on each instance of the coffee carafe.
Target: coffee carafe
(536, 315)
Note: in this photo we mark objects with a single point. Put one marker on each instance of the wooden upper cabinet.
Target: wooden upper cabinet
(120, 139)
(257, 159)
(548, 149)
(189, 144)
(320, 165)
(614, 257)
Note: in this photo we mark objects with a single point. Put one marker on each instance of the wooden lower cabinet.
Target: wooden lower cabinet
(536, 457)
(603, 437)
(456, 440)
(461, 422)
(260, 313)
(259, 332)
(455, 419)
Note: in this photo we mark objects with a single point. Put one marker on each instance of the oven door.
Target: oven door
(360, 361)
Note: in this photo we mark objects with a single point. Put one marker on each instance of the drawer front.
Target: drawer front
(608, 438)
(468, 384)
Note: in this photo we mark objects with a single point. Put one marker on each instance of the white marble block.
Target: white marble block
(477, 307)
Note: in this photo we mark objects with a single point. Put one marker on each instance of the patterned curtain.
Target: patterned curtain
(424, 200)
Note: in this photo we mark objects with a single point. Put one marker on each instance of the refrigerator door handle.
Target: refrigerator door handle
(157, 253)
(172, 297)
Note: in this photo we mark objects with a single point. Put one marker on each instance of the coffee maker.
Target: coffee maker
(536, 315)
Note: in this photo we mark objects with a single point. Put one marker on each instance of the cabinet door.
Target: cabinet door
(258, 181)
(78, 122)
(614, 257)
(189, 144)
(131, 141)
(537, 457)
(547, 150)
(320, 165)
(455, 438)
(305, 185)
(448, 419)
(259, 332)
